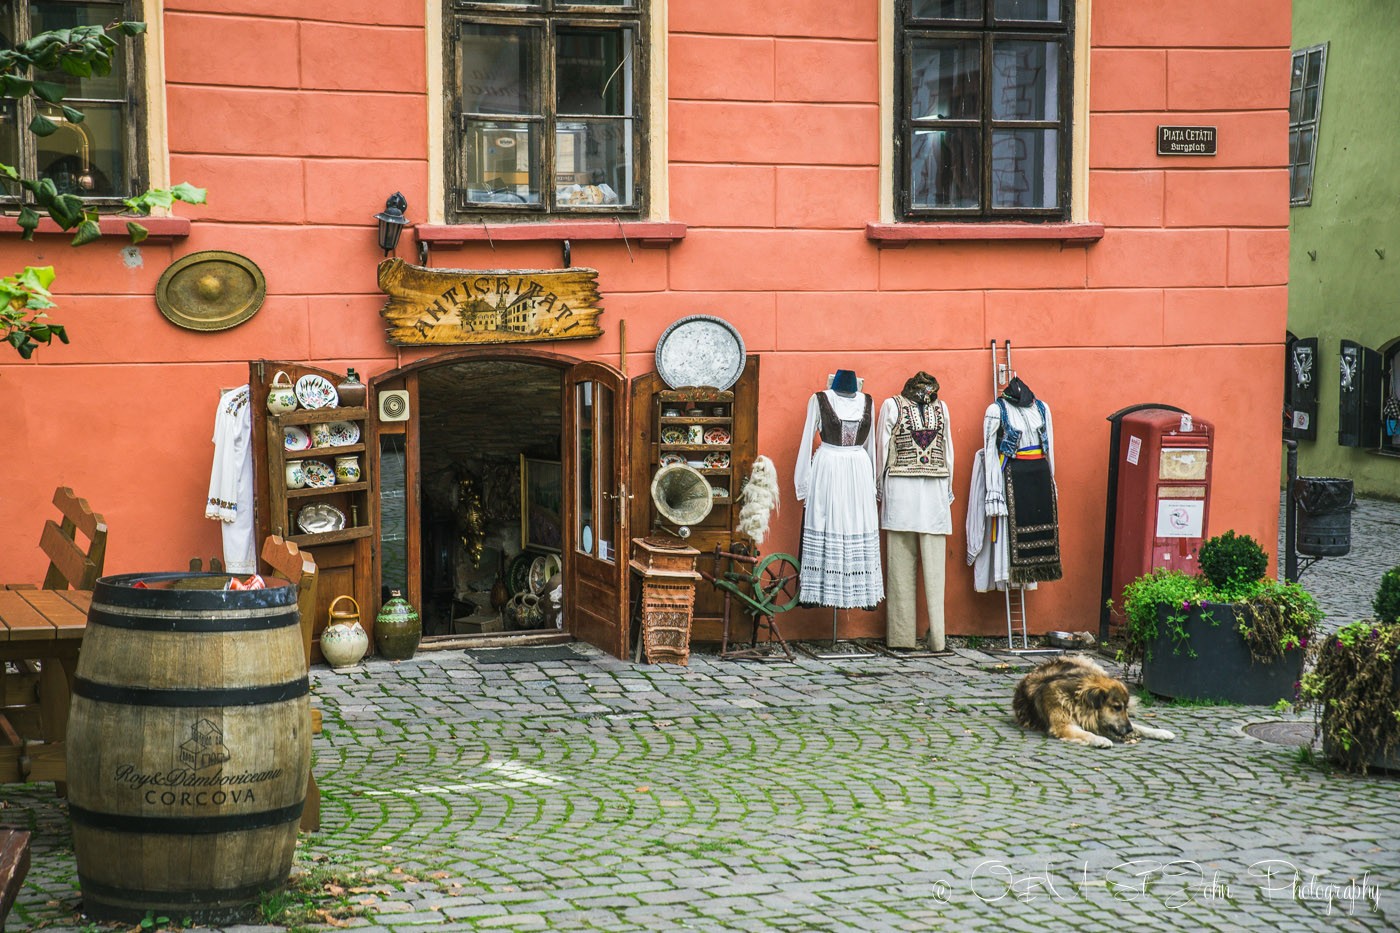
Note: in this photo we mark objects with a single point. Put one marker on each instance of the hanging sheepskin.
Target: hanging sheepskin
(760, 498)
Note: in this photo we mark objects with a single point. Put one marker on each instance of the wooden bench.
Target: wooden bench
(14, 865)
(26, 716)
(298, 567)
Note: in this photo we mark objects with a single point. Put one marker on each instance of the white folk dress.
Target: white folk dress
(988, 539)
(840, 522)
(231, 481)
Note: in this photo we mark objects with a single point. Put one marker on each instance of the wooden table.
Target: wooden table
(41, 632)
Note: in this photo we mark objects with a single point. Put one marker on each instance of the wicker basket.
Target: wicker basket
(667, 608)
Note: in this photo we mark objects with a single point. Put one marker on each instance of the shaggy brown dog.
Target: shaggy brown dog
(1073, 699)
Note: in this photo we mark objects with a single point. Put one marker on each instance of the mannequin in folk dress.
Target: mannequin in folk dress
(840, 521)
(915, 472)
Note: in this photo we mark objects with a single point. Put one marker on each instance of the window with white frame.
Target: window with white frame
(547, 107)
(984, 109)
(99, 158)
(1304, 110)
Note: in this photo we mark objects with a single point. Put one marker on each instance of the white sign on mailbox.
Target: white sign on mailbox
(1180, 518)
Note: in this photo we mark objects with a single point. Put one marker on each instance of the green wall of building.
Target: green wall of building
(1351, 290)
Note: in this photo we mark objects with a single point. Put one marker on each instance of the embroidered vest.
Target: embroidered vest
(918, 446)
(842, 433)
(1010, 441)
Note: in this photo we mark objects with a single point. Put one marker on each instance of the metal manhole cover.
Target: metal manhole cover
(1282, 733)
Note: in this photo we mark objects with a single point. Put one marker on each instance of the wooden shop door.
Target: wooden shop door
(596, 540)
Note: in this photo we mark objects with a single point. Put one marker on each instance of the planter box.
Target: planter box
(1378, 761)
(1222, 669)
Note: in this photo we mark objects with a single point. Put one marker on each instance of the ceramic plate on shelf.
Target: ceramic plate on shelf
(541, 570)
(673, 435)
(718, 460)
(315, 391)
(318, 474)
(720, 492)
(717, 436)
(319, 518)
(673, 458)
(344, 433)
(295, 438)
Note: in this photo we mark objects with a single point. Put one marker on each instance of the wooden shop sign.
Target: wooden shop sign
(1186, 140)
(448, 307)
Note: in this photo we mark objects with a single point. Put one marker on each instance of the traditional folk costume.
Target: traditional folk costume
(916, 491)
(231, 481)
(840, 523)
(1019, 534)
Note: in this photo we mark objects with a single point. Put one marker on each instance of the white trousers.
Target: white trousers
(901, 613)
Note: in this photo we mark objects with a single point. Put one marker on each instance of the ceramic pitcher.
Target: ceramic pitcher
(343, 641)
(296, 476)
(281, 394)
(397, 629)
(347, 469)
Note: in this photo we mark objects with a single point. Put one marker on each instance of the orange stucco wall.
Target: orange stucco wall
(300, 127)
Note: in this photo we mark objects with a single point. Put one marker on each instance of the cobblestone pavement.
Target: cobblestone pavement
(880, 794)
(1346, 585)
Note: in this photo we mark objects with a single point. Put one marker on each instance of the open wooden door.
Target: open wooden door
(596, 541)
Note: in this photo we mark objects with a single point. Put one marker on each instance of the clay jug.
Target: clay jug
(525, 612)
(281, 394)
(351, 391)
(397, 629)
(343, 641)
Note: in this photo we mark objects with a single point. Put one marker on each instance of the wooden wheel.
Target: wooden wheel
(776, 582)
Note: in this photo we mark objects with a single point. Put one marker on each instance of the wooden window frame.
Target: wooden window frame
(134, 115)
(1297, 123)
(907, 28)
(548, 15)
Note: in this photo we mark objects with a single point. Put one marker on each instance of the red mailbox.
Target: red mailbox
(1163, 501)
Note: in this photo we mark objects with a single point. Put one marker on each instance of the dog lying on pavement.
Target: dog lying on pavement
(1075, 700)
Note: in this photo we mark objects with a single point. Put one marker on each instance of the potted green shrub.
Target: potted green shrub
(1227, 634)
(1354, 686)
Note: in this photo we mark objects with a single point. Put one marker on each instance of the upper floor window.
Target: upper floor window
(547, 107)
(984, 109)
(1304, 109)
(97, 158)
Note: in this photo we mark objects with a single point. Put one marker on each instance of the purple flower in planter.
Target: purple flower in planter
(1186, 604)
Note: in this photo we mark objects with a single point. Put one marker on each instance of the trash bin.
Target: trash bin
(1324, 515)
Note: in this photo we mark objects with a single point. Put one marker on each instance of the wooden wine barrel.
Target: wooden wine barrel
(189, 746)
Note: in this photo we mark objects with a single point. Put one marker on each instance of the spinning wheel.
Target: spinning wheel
(764, 587)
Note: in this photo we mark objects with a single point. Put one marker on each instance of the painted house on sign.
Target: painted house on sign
(879, 187)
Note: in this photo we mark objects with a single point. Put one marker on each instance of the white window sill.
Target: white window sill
(900, 235)
(655, 234)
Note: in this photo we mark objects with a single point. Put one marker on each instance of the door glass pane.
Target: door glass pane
(1025, 80)
(46, 16)
(585, 469)
(593, 71)
(1025, 164)
(89, 158)
(502, 162)
(9, 136)
(593, 163)
(393, 517)
(945, 168)
(608, 516)
(1039, 11)
(947, 9)
(947, 78)
(498, 69)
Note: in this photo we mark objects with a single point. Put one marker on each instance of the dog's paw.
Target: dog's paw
(1098, 741)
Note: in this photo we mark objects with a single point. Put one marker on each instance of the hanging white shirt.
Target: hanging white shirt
(231, 480)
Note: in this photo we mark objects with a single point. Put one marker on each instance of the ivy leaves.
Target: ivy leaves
(23, 298)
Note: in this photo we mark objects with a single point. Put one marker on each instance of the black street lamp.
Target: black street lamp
(391, 222)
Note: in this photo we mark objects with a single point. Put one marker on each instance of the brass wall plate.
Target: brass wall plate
(211, 290)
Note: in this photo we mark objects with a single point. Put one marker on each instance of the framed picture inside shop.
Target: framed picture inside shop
(541, 504)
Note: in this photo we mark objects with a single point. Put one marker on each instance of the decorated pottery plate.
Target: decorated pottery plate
(344, 433)
(319, 518)
(541, 570)
(673, 435)
(318, 474)
(717, 436)
(670, 459)
(315, 391)
(718, 460)
(518, 576)
(720, 492)
(295, 438)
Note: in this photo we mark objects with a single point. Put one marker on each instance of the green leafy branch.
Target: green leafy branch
(80, 52)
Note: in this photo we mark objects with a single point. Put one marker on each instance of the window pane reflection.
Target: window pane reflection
(944, 168)
(501, 162)
(608, 517)
(1025, 164)
(1025, 80)
(947, 9)
(585, 469)
(947, 79)
(499, 69)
